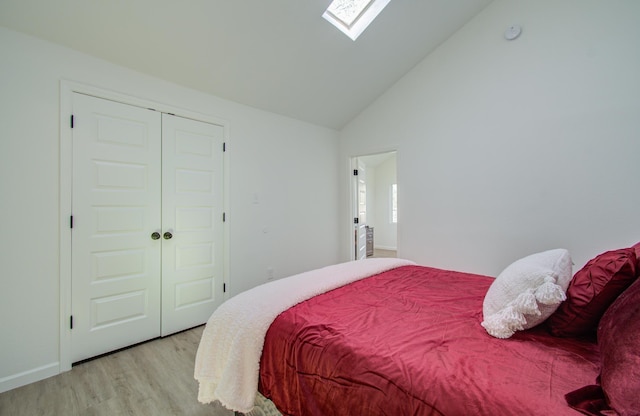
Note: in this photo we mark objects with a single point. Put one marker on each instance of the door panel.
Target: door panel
(115, 202)
(361, 231)
(192, 211)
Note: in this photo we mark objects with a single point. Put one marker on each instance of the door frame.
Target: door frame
(359, 227)
(352, 164)
(67, 89)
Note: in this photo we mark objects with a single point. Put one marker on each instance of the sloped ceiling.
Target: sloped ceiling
(276, 55)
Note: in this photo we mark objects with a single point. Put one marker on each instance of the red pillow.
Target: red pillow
(619, 342)
(637, 249)
(591, 291)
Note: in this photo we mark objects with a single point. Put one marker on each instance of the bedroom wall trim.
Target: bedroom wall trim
(36, 374)
(67, 89)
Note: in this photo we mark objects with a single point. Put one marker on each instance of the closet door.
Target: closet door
(116, 194)
(192, 244)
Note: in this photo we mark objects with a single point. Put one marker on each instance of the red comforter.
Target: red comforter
(409, 342)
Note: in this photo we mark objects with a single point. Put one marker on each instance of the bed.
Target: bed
(390, 337)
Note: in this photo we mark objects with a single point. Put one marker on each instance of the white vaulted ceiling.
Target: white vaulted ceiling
(276, 55)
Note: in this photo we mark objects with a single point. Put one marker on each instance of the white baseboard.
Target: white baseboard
(386, 248)
(27, 377)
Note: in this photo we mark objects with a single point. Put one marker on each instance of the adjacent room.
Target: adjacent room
(159, 159)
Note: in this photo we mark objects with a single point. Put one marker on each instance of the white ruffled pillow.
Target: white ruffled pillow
(526, 293)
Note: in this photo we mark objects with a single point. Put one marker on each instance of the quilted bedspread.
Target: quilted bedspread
(228, 357)
(409, 342)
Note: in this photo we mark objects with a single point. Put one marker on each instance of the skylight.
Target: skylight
(353, 16)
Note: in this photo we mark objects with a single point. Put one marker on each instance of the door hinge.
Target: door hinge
(355, 172)
(71, 120)
(71, 221)
(356, 220)
(224, 288)
(71, 322)
(224, 146)
(224, 217)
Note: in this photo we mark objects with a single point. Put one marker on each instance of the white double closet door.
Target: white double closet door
(147, 240)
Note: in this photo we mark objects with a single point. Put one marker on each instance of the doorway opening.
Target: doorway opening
(374, 206)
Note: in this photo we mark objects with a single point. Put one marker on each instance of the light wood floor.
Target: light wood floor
(378, 252)
(155, 378)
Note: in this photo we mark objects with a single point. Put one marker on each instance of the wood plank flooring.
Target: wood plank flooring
(154, 378)
(378, 252)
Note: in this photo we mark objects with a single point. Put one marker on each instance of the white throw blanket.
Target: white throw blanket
(228, 359)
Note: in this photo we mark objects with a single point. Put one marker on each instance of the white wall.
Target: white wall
(508, 148)
(385, 232)
(268, 156)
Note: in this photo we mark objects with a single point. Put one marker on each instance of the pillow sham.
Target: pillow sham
(591, 291)
(526, 293)
(620, 352)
